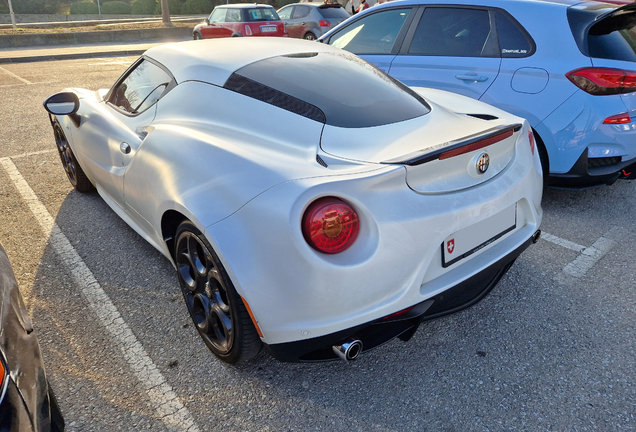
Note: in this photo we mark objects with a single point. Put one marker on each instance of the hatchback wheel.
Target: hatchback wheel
(197, 36)
(310, 36)
(217, 310)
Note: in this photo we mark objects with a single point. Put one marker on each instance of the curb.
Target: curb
(107, 36)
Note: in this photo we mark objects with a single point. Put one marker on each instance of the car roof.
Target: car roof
(244, 6)
(214, 60)
(498, 3)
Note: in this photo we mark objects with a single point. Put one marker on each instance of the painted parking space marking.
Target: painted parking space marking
(161, 396)
(15, 76)
(588, 255)
(35, 153)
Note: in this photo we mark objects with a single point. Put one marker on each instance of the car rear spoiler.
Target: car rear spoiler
(457, 147)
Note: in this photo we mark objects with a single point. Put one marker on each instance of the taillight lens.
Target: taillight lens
(330, 225)
(603, 81)
(531, 139)
(248, 31)
(3, 377)
(324, 23)
(618, 119)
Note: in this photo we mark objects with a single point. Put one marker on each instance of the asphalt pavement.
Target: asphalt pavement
(552, 348)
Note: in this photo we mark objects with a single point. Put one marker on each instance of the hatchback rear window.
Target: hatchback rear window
(337, 89)
(612, 37)
(262, 14)
(332, 12)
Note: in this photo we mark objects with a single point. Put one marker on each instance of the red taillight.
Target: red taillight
(248, 31)
(531, 139)
(399, 314)
(618, 119)
(330, 225)
(603, 81)
(324, 23)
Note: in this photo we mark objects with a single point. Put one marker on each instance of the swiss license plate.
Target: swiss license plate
(268, 29)
(469, 240)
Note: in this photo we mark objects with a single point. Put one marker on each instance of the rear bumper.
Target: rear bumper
(375, 333)
(587, 174)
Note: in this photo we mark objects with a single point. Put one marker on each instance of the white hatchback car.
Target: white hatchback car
(317, 216)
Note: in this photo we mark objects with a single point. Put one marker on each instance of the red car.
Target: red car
(241, 20)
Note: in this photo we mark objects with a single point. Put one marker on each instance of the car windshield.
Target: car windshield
(262, 14)
(337, 89)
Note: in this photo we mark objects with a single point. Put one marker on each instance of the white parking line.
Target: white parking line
(15, 76)
(589, 255)
(165, 401)
(35, 153)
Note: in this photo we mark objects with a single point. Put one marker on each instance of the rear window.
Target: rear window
(613, 37)
(333, 12)
(261, 14)
(337, 89)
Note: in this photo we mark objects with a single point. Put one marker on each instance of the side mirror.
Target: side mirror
(65, 103)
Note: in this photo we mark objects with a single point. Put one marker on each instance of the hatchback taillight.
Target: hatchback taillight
(618, 119)
(324, 23)
(603, 81)
(330, 225)
(248, 30)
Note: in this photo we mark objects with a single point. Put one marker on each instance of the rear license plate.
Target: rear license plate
(471, 239)
(268, 29)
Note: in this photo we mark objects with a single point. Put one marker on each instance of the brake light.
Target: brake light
(324, 23)
(618, 119)
(3, 377)
(603, 81)
(330, 225)
(248, 31)
(489, 140)
(531, 139)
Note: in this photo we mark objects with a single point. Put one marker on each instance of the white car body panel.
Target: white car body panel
(244, 171)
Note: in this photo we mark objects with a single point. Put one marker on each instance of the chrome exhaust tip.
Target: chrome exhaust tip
(536, 236)
(349, 350)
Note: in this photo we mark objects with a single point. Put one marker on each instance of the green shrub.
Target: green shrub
(144, 7)
(28, 6)
(196, 7)
(173, 5)
(116, 8)
(84, 7)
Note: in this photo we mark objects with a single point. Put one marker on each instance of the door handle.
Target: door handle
(124, 148)
(471, 77)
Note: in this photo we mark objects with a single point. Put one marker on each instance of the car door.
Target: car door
(114, 130)
(451, 48)
(215, 27)
(297, 26)
(377, 36)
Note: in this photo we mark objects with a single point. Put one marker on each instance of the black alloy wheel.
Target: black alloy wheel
(73, 170)
(310, 36)
(216, 309)
(197, 36)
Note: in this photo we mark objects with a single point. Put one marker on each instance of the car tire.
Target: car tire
(217, 310)
(236, 34)
(309, 36)
(74, 171)
(197, 36)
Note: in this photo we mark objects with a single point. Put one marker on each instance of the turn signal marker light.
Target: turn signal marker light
(330, 225)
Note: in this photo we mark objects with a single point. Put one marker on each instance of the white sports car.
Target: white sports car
(308, 201)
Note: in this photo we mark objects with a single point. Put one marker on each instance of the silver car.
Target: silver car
(310, 21)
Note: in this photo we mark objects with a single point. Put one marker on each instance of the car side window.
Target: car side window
(285, 13)
(374, 34)
(233, 15)
(218, 15)
(300, 12)
(142, 87)
(513, 40)
(457, 32)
